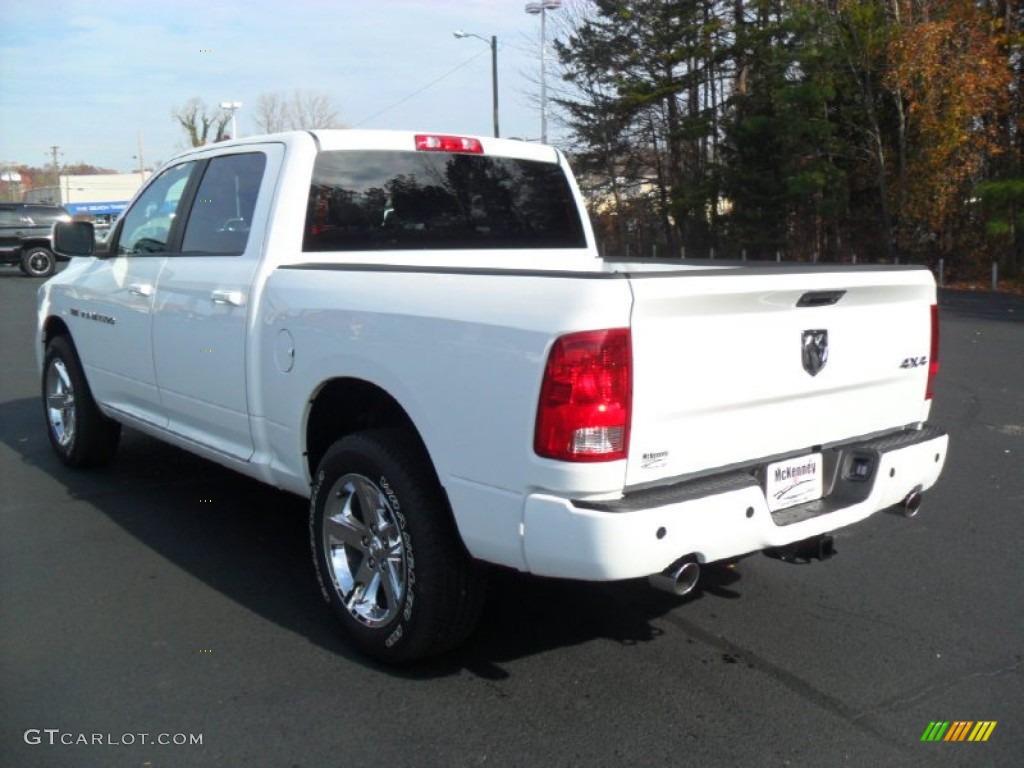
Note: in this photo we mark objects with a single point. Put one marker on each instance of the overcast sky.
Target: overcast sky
(90, 76)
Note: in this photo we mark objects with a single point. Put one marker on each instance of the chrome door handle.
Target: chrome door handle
(234, 298)
(141, 289)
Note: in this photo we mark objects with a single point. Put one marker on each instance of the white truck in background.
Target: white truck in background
(416, 332)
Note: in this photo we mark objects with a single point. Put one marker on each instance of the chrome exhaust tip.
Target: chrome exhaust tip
(912, 503)
(679, 578)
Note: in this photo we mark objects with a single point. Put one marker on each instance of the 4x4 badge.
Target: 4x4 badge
(814, 350)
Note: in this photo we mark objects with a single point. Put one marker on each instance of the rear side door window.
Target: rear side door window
(221, 214)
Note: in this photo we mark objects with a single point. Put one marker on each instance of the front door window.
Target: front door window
(146, 227)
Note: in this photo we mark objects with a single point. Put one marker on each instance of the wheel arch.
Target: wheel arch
(345, 405)
(52, 327)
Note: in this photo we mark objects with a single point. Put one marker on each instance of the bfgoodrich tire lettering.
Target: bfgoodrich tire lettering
(387, 555)
(80, 434)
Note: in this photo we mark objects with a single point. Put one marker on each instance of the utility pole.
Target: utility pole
(142, 163)
(54, 151)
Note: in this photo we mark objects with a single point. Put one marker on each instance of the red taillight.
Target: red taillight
(586, 397)
(933, 355)
(434, 143)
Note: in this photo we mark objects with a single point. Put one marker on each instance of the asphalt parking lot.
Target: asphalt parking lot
(169, 597)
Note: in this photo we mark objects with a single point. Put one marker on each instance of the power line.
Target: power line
(421, 90)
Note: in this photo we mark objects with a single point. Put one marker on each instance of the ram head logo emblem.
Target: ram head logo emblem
(814, 350)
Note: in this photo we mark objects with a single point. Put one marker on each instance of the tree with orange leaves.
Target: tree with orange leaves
(947, 69)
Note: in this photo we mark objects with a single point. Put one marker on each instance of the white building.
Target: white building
(102, 196)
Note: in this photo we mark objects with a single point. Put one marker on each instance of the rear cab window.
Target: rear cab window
(408, 200)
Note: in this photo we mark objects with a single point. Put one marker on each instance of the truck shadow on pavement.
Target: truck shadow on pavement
(250, 543)
(526, 615)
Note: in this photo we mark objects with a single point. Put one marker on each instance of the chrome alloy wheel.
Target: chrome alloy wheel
(38, 262)
(364, 551)
(60, 402)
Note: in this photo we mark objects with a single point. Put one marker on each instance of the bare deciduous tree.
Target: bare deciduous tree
(313, 109)
(302, 110)
(197, 121)
(271, 113)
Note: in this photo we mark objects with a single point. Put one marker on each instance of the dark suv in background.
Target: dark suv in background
(26, 231)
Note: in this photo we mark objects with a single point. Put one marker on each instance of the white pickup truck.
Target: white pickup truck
(417, 332)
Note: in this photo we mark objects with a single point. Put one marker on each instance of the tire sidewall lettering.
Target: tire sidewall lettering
(395, 636)
(400, 626)
(315, 521)
(410, 561)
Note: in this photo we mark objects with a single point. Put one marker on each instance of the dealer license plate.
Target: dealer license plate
(793, 481)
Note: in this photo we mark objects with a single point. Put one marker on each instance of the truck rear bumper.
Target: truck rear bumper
(723, 516)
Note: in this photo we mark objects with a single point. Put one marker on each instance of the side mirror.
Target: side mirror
(74, 238)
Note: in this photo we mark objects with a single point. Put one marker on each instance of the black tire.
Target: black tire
(38, 261)
(398, 576)
(80, 434)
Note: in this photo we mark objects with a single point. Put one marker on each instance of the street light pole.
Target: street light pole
(542, 8)
(493, 42)
(494, 81)
(232, 106)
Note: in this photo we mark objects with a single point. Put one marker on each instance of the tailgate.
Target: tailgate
(737, 365)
